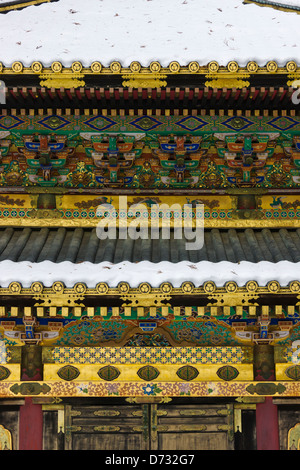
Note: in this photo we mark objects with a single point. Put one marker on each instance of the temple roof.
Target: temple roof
(77, 255)
(148, 30)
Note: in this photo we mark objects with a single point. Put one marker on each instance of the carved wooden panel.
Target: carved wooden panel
(149, 426)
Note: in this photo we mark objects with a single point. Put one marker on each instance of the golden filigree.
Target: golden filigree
(227, 82)
(144, 81)
(62, 80)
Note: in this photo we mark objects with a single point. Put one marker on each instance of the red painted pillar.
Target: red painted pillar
(267, 430)
(31, 426)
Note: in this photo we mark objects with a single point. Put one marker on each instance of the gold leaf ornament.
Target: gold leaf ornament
(80, 288)
(58, 287)
(56, 67)
(144, 288)
(96, 67)
(123, 287)
(155, 67)
(213, 66)
(272, 66)
(76, 67)
(174, 67)
(36, 287)
(135, 67)
(14, 287)
(102, 288)
(17, 67)
(291, 66)
(115, 67)
(194, 67)
(252, 66)
(187, 287)
(36, 67)
(209, 287)
(232, 66)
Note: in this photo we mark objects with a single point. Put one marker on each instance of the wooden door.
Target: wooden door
(149, 427)
(103, 427)
(192, 427)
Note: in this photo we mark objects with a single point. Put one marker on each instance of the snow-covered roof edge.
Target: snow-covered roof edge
(47, 273)
(144, 31)
(285, 5)
(10, 5)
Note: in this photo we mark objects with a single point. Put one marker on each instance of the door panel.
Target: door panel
(192, 427)
(149, 427)
(107, 441)
(107, 427)
(193, 441)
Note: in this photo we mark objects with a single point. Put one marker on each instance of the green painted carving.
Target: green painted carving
(30, 388)
(148, 373)
(91, 332)
(187, 373)
(265, 388)
(4, 373)
(293, 372)
(108, 373)
(146, 152)
(68, 373)
(227, 373)
(13, 175)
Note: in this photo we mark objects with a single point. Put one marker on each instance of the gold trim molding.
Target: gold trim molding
(62, 80)
(214, 297)
(153, 75)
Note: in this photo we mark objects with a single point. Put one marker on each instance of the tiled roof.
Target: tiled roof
(77, 245)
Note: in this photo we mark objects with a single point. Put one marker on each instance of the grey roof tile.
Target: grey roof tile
(82, 244)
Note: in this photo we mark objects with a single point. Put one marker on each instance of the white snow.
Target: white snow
(135, 273)
(148, 30)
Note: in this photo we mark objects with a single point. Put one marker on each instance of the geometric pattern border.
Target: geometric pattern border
(155, 355)
(142, 389)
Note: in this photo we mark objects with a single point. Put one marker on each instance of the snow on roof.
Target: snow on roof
(149, 30)
(69, 273)
(282, 3)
